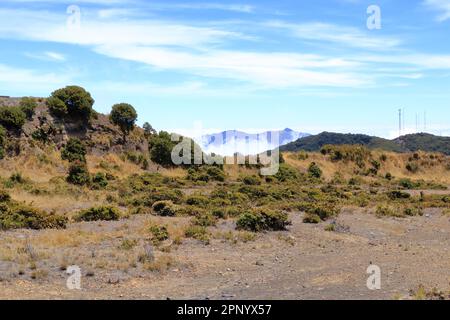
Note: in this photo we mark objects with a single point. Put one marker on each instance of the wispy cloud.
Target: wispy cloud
(23, 80)
(341, 35)
(47, 56)
(443, 6)
(209, 50)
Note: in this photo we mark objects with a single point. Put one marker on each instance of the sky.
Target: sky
(313, 66)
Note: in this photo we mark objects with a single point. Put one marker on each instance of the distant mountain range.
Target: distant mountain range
(408, 143)
(230, 142)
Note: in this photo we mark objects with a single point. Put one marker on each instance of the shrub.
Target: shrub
(393, 195)
(76, 102)
(323, 211)
(74, 151)
(78, 174)
(302, 155)
(124, 116)
(204, 220)
(412, 167)
(159, 234)
(217, 213)
(161, 147)
(314, 171)
(19, 216)
(99, 181)
(413, 211)
(197, 232)
(17, 178)
(206, 173)
(12, 117)
(286, 173)
(388, 176)
(164, 208)
(102, 213)
(2, 141)
(263, 220)
(27, 105)
(44, 133)
(197, 200)
(4, 196)
(406, 184)
(215, 173)
(388, 211)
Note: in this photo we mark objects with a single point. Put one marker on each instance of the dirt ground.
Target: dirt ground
(305, 262)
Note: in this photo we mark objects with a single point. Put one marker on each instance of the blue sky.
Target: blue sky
(251, 65)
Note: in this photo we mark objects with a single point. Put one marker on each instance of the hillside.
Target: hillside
(316, 142)
(408, 143)
(43, 129)
(426, 142)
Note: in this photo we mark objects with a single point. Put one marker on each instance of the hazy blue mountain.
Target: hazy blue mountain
(233, 141)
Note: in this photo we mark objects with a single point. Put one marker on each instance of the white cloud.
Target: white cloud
(25, 80)
(47, 56)
(442, 6)
(264, 69)
(199, 50)
(346, 36)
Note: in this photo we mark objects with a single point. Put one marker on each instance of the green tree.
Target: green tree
(148, 129)
(12, 117)
(76, 100)
(74, 151)
(161, 150)
(124, 116)
(28, 105)
(2, 141)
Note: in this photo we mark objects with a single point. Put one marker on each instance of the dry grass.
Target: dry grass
(395, 165)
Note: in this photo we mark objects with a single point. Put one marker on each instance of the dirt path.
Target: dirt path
(304, 263)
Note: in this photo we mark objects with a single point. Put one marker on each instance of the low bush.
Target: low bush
(314, 171)
(198, 232)
(12, 117)
(263, 220)
(206, 174)
(286, 173)
(396, 194)
(19, 216)
(2, 141)
(323, 211)
(412, 167)
(204, 220)
(78, 174)
(164, 208)
(99, 181)
(74, 151)
(312, 218)
(159, 234)
(102, 213)
(413, 211)
(197, 200)
(251, 180)
(27, 105)
(4, 196)
(389, 211)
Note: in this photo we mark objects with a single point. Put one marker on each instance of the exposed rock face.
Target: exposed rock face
(99, 134)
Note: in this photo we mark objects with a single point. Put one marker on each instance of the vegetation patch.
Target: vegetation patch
(164, 208)
(102, 213)
(263, 220)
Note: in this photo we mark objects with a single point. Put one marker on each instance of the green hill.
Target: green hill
(425, 142)
(408, 143)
